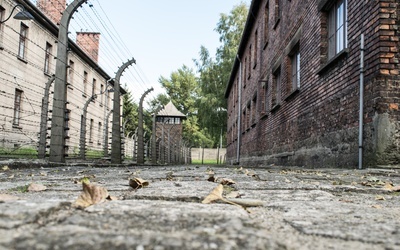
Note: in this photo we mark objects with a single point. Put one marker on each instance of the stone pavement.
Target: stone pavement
(303, 209)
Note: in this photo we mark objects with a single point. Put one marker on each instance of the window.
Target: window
(244, 121)
(94, 87)
(253, 110)
(278, 12)
(99, 133)
(248, 115)
(266, 24)
(22, 41)
(17, 107)
(245, 72)
(250, 60)
(101, 93)
(90, 131)
(85, 82)
(255, 53)
(71, 68)
(47, 58)
(276, 96)
(294, 69)
(337, 28)
(264, 98)
(2, 16)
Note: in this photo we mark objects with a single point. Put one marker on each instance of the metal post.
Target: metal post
(140, 157)
(361, 122)
(57, 141)
(154, 138)
(116, 157)
(43, 119)
(105, 148)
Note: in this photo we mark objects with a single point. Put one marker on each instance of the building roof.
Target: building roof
(42, 19)
(171, 111)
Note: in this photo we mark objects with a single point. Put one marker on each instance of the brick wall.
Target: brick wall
(317, 123)
(52, 9)
(89, 42)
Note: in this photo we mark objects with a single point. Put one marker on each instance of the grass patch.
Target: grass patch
(27, 152)
(94, 154)
(20, 189)
(205, 162)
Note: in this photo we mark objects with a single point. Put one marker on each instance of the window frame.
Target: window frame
(276, 91)
(278, 12)
(47, 57)
(17, 107)
(85, 82)
(22, 44)
(71, 69)
(255, 51)
(266, 24)
(337, 32)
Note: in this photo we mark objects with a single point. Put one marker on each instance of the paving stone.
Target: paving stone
(303, 209)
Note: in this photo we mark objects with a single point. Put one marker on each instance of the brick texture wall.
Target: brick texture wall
(316, 124)
(52, 9)
(89, 42)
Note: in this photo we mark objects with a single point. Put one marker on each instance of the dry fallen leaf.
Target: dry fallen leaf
(91, 195)
(33, 187)
(377, 206)
(380, 198)
(396, 189)
(216, 194)
(6, 168)
(388, 186)
(6, 198)
(225, 181)
(137, 183)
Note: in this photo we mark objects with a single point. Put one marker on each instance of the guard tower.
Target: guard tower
(169, 133)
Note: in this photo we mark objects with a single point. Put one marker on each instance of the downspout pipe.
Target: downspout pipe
(239, 133)
(361, 120)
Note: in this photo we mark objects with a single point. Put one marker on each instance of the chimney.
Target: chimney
(53, 9)
(89, 42)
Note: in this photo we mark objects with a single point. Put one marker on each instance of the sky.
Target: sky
(161, 35)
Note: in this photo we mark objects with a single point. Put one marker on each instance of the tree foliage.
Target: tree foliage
(215, 73)
(201, 96)
(129, 113)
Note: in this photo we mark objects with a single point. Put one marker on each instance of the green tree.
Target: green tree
(215, 73)
(182, 87)
(129, 112)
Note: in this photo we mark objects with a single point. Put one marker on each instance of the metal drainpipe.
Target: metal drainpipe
(239, 111)
(361, 121)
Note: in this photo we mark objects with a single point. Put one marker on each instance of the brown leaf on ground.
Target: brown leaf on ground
(380, 198)
(211, 178)
(7, 197)
(216, 194)
(33, 187)
(388, 186)
(226, 182)
(91, 195)
(396, 189)
(137, 183)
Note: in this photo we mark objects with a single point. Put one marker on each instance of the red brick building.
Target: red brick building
(294, 91)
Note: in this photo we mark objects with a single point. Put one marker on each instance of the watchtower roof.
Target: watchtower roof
(170, 111)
